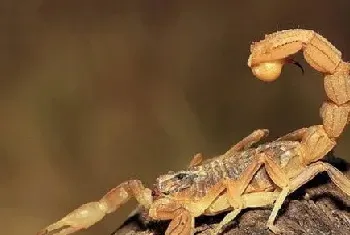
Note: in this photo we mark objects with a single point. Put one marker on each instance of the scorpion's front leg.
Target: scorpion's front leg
(270, 54)
(181, 219)
(181, 211)
(92, 212)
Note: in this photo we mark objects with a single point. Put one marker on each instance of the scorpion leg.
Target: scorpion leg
(279, 177)
(181, 219)
(338, 178)
(250, 200)
(315, 143)
(248, 141)
(90, 213)
(196, 160)
(245, 143)
(181, 224)
(227, 219)
(235, 188)
(294, 136)
(182, 212)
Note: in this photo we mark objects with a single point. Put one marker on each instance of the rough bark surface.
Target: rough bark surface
(317, 208)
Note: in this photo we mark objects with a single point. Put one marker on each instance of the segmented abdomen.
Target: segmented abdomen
(233, 166)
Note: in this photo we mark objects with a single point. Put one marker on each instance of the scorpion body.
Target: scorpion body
(244, 176)
(203, 177)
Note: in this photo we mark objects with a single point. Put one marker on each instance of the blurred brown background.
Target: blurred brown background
(97, 92)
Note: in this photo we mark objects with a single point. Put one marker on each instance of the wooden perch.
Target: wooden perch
(317, 208)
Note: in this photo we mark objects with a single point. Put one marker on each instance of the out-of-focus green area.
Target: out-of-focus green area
(97, 92)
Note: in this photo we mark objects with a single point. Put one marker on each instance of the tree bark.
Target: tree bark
(319, 207)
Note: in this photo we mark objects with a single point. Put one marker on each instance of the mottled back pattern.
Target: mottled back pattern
(199, 179)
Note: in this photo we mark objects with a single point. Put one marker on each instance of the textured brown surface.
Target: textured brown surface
(317, 208)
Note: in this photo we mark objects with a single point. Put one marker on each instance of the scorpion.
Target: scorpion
(245, 176)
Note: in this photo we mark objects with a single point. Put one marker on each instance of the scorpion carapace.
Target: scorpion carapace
(244, 176)
(176, 182)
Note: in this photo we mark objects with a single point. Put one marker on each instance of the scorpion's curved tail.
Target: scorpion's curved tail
(270, 54)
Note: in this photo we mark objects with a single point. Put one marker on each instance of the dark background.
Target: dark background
(97, 92)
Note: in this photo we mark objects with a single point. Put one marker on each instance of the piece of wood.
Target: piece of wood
(317, 208)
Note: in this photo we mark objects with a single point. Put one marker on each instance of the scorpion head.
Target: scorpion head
(173, 182)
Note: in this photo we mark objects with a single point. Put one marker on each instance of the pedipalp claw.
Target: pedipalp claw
(62, 231)
(81, 218)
